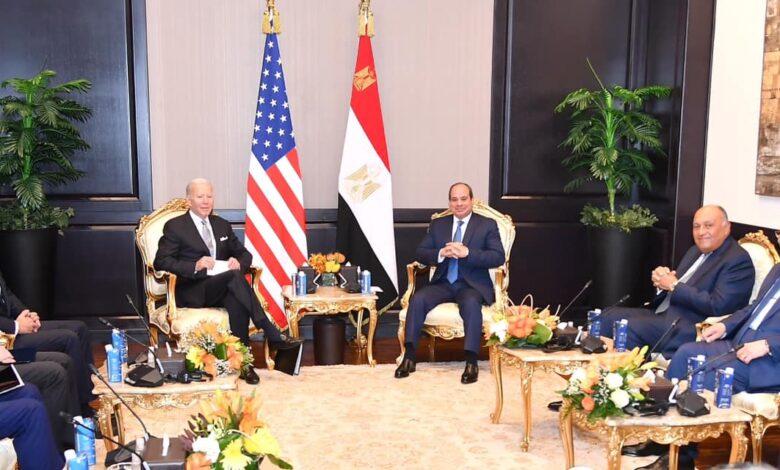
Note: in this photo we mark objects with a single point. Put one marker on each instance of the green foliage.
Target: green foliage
(37, 139)
(624, 219)
(610, 136)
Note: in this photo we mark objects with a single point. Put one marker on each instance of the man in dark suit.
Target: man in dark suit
(51, 373)
(463, 247)
(66, 336)
(715, 277)
(195, 243)
(23, 418)
(754, 332)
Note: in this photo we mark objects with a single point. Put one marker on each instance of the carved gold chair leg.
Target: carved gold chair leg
(432, 348)
(154, 333)
(401, 339)
(269, 362)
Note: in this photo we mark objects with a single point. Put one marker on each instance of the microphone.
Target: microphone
(149, 348)
(690, 403)
(107, 384)
(113, 457)
(620, 301)
(584, 288)
(662, 340)
(137, 312)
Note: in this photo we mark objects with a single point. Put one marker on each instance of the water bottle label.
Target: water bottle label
(85, 440)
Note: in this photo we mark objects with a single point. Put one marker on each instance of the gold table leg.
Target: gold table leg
(495, 365)
(372, 322)
(738, 443)
(674, 456)
(614, 448)
(565, 427)
(526, 374)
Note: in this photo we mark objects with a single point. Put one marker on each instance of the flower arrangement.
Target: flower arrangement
(521, 325)
(607, 385)
(229, 435)
(328, 263)
(215, 352)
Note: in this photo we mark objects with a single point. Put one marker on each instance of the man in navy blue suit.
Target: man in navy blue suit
(463, 247)
(715, 277)
(23, 418)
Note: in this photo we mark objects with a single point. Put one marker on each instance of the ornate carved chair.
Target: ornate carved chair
(444, 321)
(764, 256)
(160, 286)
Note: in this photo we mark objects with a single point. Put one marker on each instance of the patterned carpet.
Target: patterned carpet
(344, 417)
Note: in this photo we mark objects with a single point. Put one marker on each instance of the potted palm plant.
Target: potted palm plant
(612, 141)
(38, 137)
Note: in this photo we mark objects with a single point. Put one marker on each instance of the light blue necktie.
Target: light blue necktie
(452, 266)
(766, 299)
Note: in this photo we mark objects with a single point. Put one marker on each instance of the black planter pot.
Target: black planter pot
(27, 259)
(616, 260)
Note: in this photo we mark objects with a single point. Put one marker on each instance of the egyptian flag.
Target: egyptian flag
(365, 219)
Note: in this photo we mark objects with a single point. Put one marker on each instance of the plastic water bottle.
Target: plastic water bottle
(697, 379)
(365, 281)
(621, 334)
(85, 438)
(594, 323)
(724, 386)
(76, 461)
(300, 283)
(114, 364)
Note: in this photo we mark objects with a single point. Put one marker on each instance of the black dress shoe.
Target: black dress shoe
(249, 375)
(556, 406)
(285, 342)
(662, 463)
(407, 367)
(470, 374)
(644, 449)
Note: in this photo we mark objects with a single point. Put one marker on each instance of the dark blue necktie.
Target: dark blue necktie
(452, 266)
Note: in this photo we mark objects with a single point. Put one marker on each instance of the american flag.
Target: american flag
(275, 218)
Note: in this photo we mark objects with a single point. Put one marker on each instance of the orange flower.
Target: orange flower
(198, 461)
(588, 403)
(210, 364)
(234, 358)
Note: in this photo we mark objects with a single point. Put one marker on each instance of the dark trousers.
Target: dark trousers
(469, 302)
(231, 291)
(52, 373)
(70, 337)
(23, 418)
(678, 368)
(647, 328)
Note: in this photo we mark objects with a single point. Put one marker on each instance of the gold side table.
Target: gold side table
(166, 397)
(527, 361)
(671, 429)
(332, 301)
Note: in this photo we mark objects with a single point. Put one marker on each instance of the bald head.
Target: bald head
(200, 195)
(711, 227)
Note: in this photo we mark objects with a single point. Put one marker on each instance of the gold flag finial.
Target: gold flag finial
(270, 13)
(365, 19)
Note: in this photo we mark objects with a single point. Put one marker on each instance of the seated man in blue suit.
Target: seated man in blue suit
(715, 277)
(23, 418)
(463, 247)
(754, 332)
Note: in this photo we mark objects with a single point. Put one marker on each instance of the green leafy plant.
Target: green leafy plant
(624, 219)
(609, 140)
(37, 139)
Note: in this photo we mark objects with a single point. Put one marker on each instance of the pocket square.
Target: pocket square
(222, 239)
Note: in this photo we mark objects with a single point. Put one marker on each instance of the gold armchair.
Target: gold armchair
(160, 286)
(444, 321)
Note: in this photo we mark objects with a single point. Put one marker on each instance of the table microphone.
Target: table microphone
(137, 312)
(690, 403)
(107, 384)
(620, 301)
(112, 457)
(591, 344)
(144, 376)
(584, 288)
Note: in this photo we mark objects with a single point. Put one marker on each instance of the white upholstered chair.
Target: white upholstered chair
(7, 455)
(160, 286)
(444, 321)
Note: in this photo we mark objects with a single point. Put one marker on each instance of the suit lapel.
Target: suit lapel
(470, 229)
(194, 232)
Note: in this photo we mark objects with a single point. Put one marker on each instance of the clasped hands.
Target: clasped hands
(454, 250)
(207, 262)
(663, 278)
(28, 322)
(748, 352)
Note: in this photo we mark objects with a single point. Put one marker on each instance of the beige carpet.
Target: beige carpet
(344, 417)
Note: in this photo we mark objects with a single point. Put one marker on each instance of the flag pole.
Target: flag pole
(270, 13)
(365, 19)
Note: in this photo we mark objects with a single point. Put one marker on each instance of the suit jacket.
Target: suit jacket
(181, 246)
(12, 308)
(764, 370)
(485, 252)
(721, 285)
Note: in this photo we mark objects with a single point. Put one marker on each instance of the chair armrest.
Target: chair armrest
(708, 322)
(412, 271)
(7, 340)
(499, 287)
(255, 272)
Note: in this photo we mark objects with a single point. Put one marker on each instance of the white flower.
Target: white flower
(208, 446)
(579, 375)
(613, 380)
(499, 329)
(620, 398)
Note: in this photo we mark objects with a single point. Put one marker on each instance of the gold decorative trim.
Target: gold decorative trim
(758, 238)
(365, 19)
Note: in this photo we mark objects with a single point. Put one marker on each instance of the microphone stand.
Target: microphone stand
(147, 347)
(137, 312)
(662, 340)
(98, 435)
(584, 288)
(107, 384)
